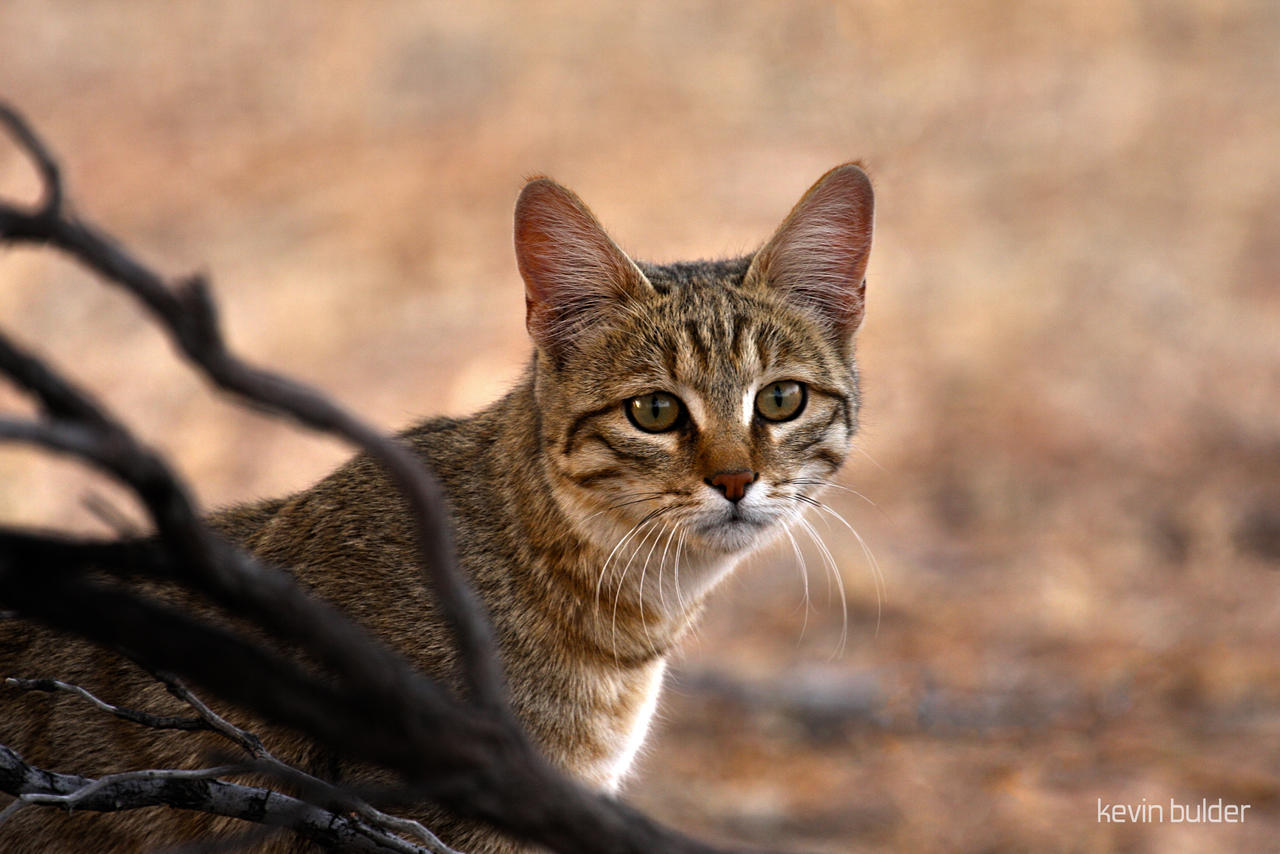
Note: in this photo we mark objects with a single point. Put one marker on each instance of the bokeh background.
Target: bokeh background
(1071, 452)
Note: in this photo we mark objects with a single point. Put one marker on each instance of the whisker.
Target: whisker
(609, 507)
(644, 571)
(863, 451)
(604, 568)
(692, 629)
(629, 498)
(636, 498)
(804, 576)
(877, 574)
(830, 563)
(679, 594)
(617, 597)
(662, 565)
(820, 481)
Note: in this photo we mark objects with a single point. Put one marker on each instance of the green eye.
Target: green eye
(655, 412)
(781, 401)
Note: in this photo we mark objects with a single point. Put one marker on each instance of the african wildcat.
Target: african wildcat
(672, 419)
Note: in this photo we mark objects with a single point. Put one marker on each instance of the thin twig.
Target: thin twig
(137, 717)
(213, 721)
(273, 766)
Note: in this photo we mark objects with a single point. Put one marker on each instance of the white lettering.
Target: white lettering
(1204, 812)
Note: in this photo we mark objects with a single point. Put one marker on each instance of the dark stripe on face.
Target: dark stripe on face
(813, 436)
(669, 360)
(847, 412)
(839, 412)
(591, 478)
(767, 347)
(622, 454)
(830, 457)
(580, 422)
(735, 345)
(697, 344)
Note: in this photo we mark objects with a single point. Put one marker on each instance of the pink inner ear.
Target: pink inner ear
(818, 257)
(571, 269)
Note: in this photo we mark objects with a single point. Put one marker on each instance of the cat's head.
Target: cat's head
(704, 400)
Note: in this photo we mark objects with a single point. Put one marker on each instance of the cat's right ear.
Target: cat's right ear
(574, 274)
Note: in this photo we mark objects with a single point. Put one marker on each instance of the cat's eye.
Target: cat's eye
(655, 412)
(781, 401)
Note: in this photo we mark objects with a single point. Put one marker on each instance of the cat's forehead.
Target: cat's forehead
(696, 277)
(705, 329)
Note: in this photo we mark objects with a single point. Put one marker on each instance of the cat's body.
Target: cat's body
(672, 419)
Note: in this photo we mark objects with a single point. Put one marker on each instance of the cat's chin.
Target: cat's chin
(735, 534)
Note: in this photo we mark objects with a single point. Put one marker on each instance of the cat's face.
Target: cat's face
(705, 401)
(712, 404)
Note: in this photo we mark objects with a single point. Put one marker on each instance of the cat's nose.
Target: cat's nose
(733, 484)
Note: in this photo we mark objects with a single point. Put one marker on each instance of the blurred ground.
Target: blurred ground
(1072, 441)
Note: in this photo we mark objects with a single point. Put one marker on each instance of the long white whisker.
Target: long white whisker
(824, 482)
(604, 568)
(873, 460)
(662, 565)
(830, 563)
(882, 588)
(679, 594)
(804, 576)
(626, 500)
(623, 577)
(643, 571)
(692, 627)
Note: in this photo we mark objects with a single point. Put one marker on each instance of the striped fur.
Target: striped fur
(593, 544)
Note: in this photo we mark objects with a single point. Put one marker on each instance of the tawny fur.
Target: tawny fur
(552, 492)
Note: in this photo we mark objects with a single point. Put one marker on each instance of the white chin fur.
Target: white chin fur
(726, 531)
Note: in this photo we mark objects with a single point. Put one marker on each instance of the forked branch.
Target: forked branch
(189, 316)
(382, 828)
(369, 705)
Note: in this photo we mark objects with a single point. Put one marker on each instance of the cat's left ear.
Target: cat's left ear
(818, 256)
(574, 274)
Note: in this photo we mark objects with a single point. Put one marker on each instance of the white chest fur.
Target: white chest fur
(621, 730)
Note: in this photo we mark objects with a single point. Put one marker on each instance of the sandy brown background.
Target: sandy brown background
(1072, 353)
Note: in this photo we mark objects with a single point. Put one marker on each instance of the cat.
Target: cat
(672, 419)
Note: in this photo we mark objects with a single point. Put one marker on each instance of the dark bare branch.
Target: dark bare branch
(314, 790)
(326, 792)
(369, 705)
(50, 175)
(144, 718)
(188, 314)
(214, 722)
(197, 790)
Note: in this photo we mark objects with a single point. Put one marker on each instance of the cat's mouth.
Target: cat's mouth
(735, 514)
(735, 529)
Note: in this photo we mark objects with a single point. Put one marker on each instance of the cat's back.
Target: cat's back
(352, 540)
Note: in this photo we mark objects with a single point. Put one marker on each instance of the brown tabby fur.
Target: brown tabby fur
(592, 543)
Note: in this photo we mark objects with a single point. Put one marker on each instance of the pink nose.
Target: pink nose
(733, 483)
